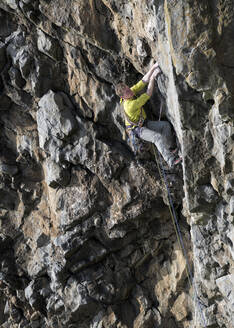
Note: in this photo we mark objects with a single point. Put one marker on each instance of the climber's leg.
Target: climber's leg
(160, 135)
(165, 129)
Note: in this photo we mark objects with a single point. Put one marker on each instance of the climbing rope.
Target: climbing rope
(132, 135)
(177, 228)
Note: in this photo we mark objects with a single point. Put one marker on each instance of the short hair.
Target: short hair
(119, 89)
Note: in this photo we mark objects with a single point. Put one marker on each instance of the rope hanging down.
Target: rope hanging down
(176, 224)
(178, 231)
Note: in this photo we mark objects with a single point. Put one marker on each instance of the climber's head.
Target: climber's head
(123, 91)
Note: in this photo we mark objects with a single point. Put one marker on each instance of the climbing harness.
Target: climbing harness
(138, 145)
(133, 125)
(133, 131)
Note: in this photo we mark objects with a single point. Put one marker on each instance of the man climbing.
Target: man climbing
(157, 132)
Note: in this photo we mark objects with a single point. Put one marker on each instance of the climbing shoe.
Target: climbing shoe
(174, 151)
(174, 161)
(177, 161)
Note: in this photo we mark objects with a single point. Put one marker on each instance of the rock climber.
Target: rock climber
(157, 132)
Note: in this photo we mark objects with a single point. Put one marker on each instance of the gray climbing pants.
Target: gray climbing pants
(159, 133)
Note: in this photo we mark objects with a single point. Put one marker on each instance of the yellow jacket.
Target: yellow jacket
(132, 107)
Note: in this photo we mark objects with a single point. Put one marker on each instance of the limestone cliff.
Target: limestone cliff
(87, 238)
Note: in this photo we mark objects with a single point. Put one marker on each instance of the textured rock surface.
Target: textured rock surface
(86, 234)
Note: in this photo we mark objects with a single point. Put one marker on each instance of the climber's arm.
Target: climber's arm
(147, 76)
(151, 83)
(138, 87)
(135, 105)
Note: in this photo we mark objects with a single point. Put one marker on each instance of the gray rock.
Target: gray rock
(24, 324)
(7, 325)
(10, 170)
(2, 55)
(43, 240)
(16, 46)
(56, 176)
(74, 206)
(49, 46)
(77, 300)
(141, 48)
(9, 199)
(54, 118)
(7, 308)
(222, 223)
(80, 153)
(46, 76)
(231, 209)
(29, 292)
(5, 242)
(208, 193)
(5, 102)
(34, 295)
(90, 253)
(229, 184)
(198, 236)
(69, 242)
(24, 62)
(230, 235)
(26, 144)
(209, 317)
(114, 256)
(35, 324)
(55, 305)
(15, 314)
(40, 261)
(226, 286)
(205, 199)
(58, 275)
(12, 4)
(16, 79)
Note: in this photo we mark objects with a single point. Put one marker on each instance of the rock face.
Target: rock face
(87, 238)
